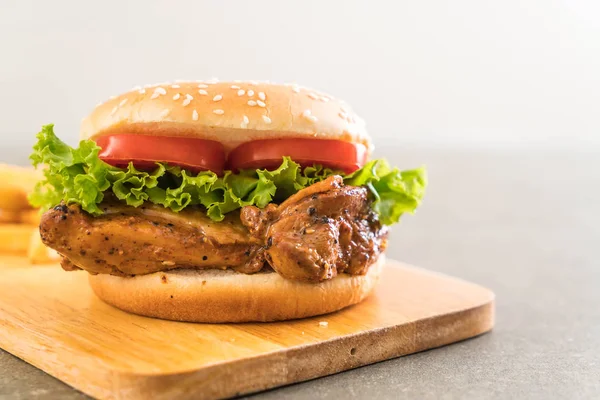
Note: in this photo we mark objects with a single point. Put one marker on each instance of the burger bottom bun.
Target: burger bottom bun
(219, 296)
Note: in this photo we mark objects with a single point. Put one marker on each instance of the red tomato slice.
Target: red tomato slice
(145, 151)
(335, 154)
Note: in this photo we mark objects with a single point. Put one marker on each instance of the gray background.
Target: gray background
(499, 99)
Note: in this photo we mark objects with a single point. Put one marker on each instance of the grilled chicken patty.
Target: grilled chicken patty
(323, 230)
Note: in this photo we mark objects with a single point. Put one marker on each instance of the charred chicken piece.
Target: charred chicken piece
(132, 241)
(323, 230)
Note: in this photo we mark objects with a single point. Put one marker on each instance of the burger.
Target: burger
(212, 201)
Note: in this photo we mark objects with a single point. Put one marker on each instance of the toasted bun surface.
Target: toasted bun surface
(218, 296)
(229, 112)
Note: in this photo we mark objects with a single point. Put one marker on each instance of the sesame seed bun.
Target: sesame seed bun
(219, 296)
(228, 112)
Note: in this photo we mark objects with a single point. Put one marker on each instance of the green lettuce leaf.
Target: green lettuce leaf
(78, 176)
(395, 192)
(73, 175)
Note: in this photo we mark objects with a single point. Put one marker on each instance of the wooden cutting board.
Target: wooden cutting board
(51, 319)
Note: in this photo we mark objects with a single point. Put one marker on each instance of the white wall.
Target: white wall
(467, 73)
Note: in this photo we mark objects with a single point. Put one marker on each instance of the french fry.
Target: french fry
(14, 239)
(38, 252)
(10, 217)
(17, 217)
(23, 178)
(15, 184)
(30, 217)
(13, 198)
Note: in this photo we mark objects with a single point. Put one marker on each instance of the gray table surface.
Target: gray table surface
(523, 223)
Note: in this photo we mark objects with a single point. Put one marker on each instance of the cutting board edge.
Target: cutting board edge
(307, 362)
(489, 301)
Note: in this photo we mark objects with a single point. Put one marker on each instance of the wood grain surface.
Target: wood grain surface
(51, 319)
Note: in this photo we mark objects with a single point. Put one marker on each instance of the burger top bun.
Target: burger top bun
(228, 112)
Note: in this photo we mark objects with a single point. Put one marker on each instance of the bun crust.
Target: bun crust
(229, 112)
(218, 296)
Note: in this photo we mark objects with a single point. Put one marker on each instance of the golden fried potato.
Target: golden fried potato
(15, 238)
(13, 198)
(38, 252)
(15, 184)
(30, 217)
(10, 217)
(23, 178)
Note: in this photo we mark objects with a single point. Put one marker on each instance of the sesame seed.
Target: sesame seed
(195, 115)
(122, 103)
(142, 91)
(219, 112)
(160, 90)
(188, 99)
(313, 96)
(154, 95)
(218, 97)
(203, 92)
(343, 115)
(323, 323)
(309, 231)
(253, 83)
(114, 110)
(176, 97)
(250, 93)
(266, 119)
(261, 103)
(135, 88)
(234, 86)
(202, 86)
(237, 81)
(344, 110)
(324, 99)
(212, 81)
(164, 113)
(241, 92)
(251, 103)
(295, 89)
(308, 115)
(175, 86)
(112, 97)
(246, 120)
(261, 95)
